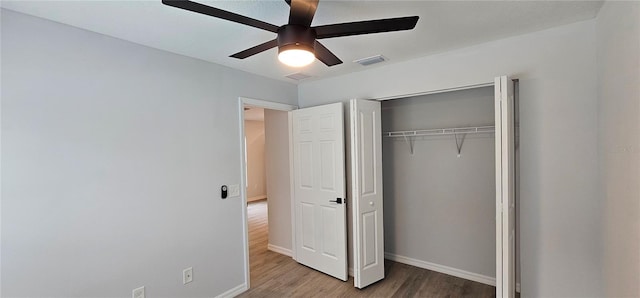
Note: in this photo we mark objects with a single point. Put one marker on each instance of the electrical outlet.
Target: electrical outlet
(187, 275)
(234, 190)
(138, 293)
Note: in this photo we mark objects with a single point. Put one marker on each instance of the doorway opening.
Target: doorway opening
(266, 182)
(254, 154)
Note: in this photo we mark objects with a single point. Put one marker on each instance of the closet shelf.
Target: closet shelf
(439, 131)
(455, 131)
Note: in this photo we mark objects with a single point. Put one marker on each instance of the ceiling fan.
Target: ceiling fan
(297, 41)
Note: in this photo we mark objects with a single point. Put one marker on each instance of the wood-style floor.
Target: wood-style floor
(276, 275)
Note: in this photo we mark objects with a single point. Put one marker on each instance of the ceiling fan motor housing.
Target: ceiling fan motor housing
(296, 37)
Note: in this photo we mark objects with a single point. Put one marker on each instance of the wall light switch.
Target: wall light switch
(138, 293)
(234, 190)
(187, 275)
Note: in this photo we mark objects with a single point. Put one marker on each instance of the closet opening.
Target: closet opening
(439, 182)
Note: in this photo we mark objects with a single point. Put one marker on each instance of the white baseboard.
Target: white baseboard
(234, 292)
(350, 271)
(442, 269)
(280, 250)
(256, 198)
(518, 287)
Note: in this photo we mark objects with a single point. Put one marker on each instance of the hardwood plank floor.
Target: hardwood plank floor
(276, 275)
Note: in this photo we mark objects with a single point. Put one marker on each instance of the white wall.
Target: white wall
(440, 208)
(256, 175)
(112, 159)
(560, 216)
(278, 179)
(618, 41)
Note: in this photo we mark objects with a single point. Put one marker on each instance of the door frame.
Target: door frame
(270, 105)
(489, 83)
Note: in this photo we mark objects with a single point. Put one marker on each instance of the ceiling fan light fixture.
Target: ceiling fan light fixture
(296, 56)
(297, 40)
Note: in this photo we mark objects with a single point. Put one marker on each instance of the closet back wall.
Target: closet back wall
(440, 208)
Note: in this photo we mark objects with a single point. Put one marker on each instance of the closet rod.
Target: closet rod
(439, 131)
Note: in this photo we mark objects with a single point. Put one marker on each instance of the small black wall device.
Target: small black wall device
(224, 189)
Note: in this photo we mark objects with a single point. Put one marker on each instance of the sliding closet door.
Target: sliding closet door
(366, 181)
(505, 182)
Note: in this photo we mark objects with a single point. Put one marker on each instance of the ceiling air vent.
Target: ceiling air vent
(298, 76)
(370, 60)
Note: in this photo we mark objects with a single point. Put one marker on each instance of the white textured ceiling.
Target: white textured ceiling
(443, 25)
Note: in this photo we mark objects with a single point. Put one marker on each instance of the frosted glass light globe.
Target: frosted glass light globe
(296, 57)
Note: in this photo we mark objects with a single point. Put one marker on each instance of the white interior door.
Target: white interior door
(319, 189)
(505, 195)
(366, 183)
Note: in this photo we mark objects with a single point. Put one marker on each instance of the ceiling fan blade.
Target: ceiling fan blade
(366, 27)
(219, 13)
(302, 12)
(325, 56)
(255, 50)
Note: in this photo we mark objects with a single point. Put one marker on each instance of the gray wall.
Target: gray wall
(561, 251)
(256, 174)
(110, 147)
(438, 207)
(112, 159)
(618, 33)
(278, 178)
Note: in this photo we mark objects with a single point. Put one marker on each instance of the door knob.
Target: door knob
(338, 200)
